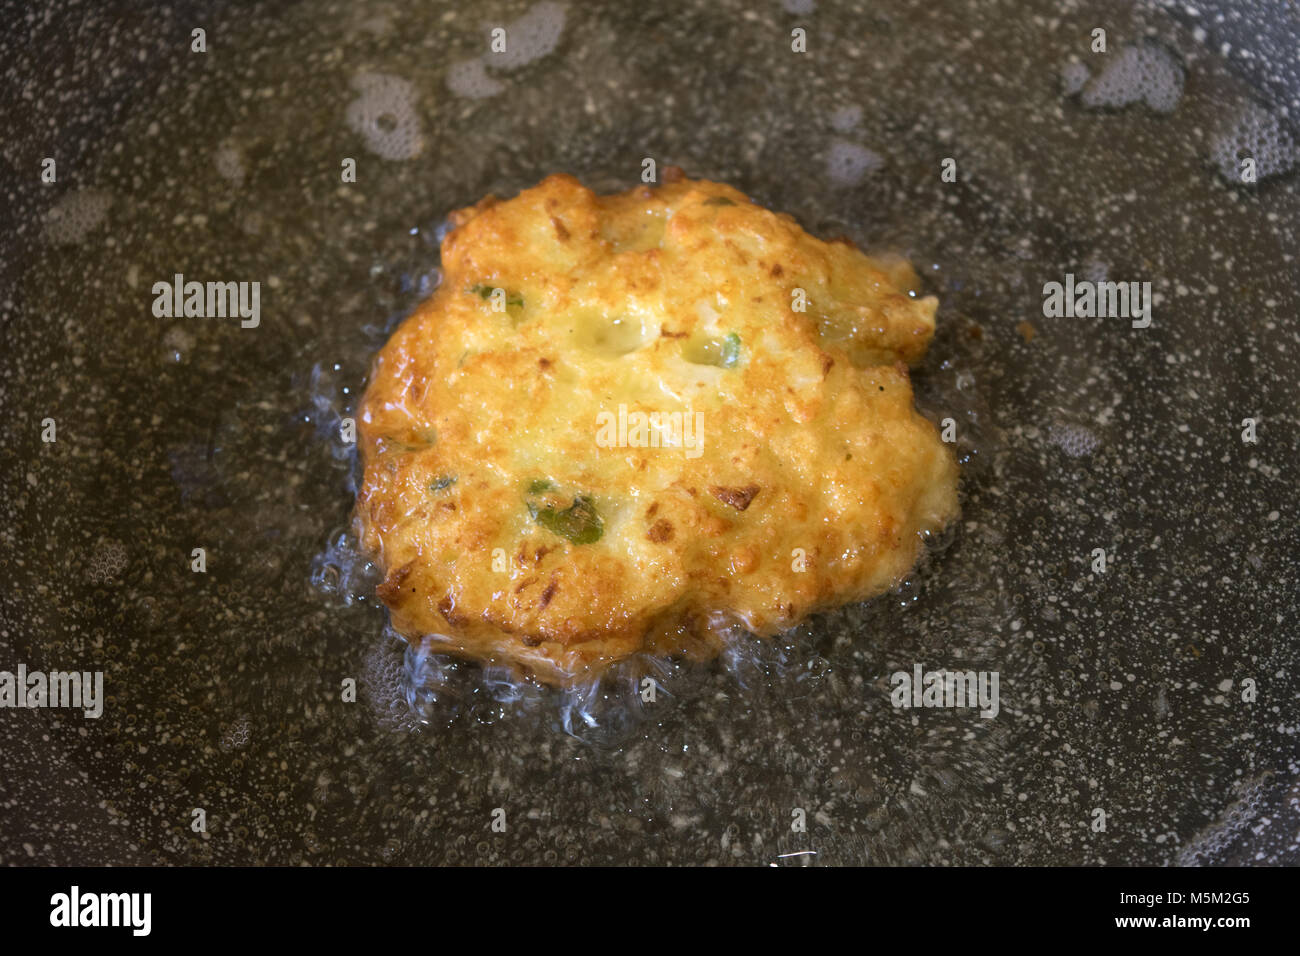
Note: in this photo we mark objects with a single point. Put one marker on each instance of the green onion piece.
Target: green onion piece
(580, 522)
(730, 351)
(719, 352)
(485, 292)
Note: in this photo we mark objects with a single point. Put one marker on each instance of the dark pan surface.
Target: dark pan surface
(1120, 691)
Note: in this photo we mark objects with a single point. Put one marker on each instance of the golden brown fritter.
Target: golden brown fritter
(526, 507)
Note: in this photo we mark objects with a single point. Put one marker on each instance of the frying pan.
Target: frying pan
(1148, 707)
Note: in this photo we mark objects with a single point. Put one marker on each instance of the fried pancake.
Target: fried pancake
(522, 510)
